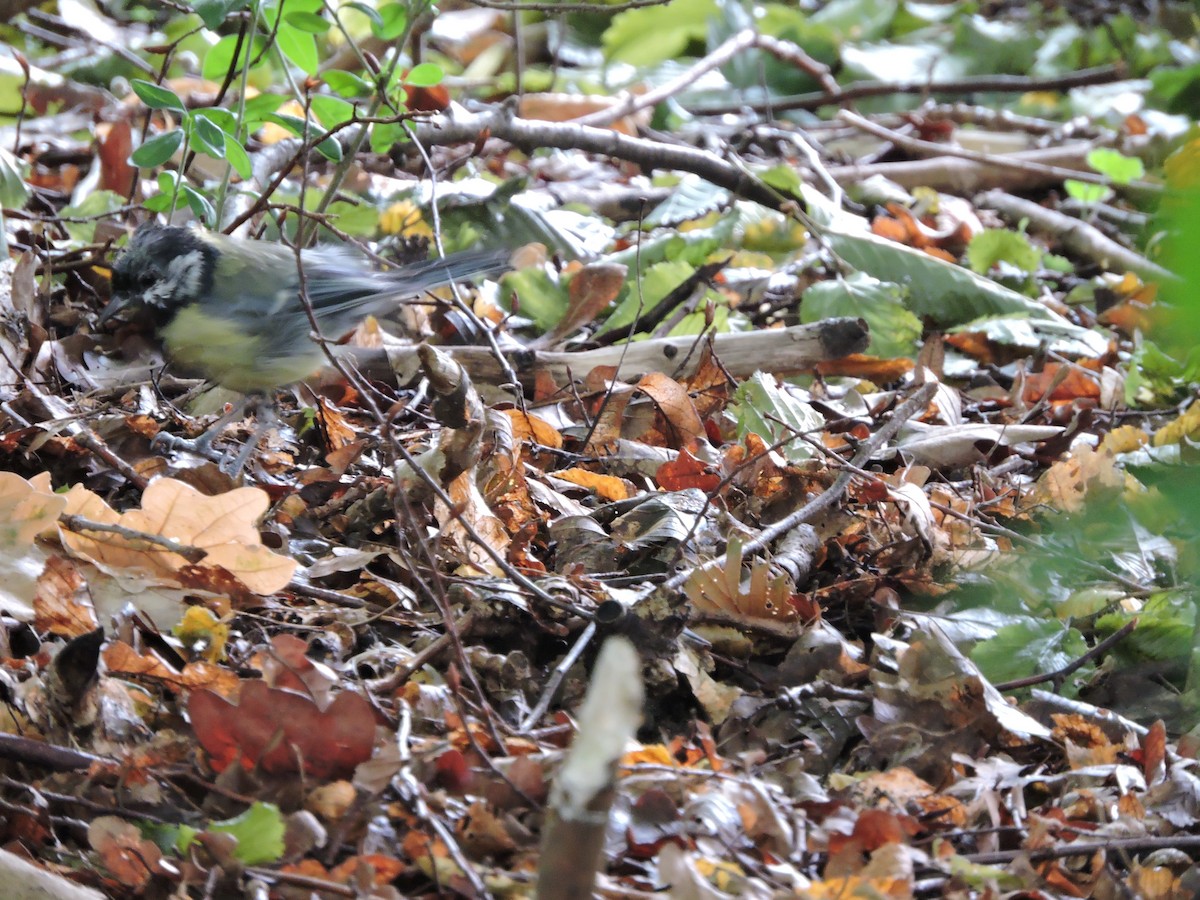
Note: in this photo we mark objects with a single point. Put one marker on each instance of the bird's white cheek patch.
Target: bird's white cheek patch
(184, 274)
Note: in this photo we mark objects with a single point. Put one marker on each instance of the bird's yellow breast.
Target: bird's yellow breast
(219, 350)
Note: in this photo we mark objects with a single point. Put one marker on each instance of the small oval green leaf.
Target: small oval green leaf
(424, 75)
(346, 83)
(208, 138)
(156, 96)
(306, 21)
(237, 156)
(300, 47)
(202, 209)
(158, 149)
(393, 22)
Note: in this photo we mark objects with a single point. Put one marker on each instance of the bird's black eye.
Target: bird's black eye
(146, 278)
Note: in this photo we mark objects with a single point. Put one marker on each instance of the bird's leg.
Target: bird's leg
(264, 418)
(202, 445)
(229, 463)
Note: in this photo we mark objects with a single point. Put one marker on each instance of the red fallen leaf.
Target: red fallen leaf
(282, 732)
(1154, 752)
(686, 472)
(453, 773)
(427, 99)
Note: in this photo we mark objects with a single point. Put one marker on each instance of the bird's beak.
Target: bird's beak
(115, 305)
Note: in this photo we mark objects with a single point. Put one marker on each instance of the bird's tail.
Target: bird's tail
(415, 278)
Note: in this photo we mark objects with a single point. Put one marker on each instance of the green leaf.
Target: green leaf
(258, 108)
(357, 219)
(1030, 648)
(995, 245)
(859, 20)
(346, 83)
(393, 21)
(656, 283)
(773, 413)
(424, 75)
(369, 11)
(237, 156)
(222, 118)
(692, 198)
(219, 59)
(300, 47)
(655, 34)
(331, 111)
(894, 330)
(541, 298)
(784, 179)
(161, 202)
(329, 148)
(1120, 168)
(306, 21)
(96, 203)
(943, 291)
(13, 189)
(259, 832)
(208, 138)
(1086, 192)
(158, 149)
(386, 134)
(201, 208)
(214, 12)
(156, 96)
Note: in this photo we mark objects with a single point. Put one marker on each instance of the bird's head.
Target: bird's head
(163, 269)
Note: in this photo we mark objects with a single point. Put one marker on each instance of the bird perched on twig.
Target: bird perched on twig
(231, 310)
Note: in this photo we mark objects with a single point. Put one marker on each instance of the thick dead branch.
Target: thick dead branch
(577, 815)
(1075, 236)
(780, 351)
(941, 152)
(968, 176)
(532, 135)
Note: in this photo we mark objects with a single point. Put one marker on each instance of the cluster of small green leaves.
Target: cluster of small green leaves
(297, 34)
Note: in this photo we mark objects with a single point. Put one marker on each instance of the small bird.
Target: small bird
(230, 310)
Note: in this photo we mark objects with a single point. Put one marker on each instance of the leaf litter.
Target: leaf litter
(755, 554)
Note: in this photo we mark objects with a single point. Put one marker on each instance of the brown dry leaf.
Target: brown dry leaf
(122, 659)
(472, 506)
(1074, 384)
(1154, 752)
(1067, 483)
(383, 869)
(564, 107)
(721, 593)
(27, 509)
(528, 427)
(607, 487)
(62, 604)
(481, 832)
(338, 433)
(224, 526)
(676, 407)
(870, 368)
(115, 143)
(128, 857)
(331, 801)
(591, 291)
